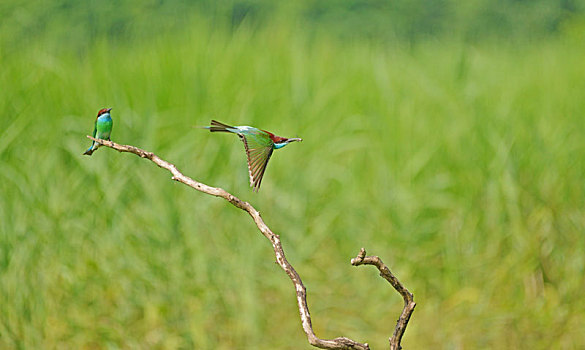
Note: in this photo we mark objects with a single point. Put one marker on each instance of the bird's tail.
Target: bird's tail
(219, 126)
(90, 150)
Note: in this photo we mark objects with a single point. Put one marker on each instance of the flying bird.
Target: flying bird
(102, 129)
(259, 145)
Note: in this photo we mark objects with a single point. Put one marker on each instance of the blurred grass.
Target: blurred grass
(461, 166)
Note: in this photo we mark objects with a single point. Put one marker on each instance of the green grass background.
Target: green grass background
(460, 164)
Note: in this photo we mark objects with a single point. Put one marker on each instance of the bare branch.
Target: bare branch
(409, 303)
(337, 343)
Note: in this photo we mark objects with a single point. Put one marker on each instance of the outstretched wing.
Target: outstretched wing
(258, 149)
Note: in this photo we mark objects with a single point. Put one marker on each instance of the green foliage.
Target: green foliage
(72, 24)
(459, 165)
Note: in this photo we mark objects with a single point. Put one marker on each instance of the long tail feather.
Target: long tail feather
(91, 149)
(219, 126)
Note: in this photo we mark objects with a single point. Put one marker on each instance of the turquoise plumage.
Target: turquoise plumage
(102, 129)
(259, 145)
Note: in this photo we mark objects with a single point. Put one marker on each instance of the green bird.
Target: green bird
(259, 145)
(102, 129)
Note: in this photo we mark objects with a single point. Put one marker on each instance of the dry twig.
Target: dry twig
(409, 303)
(301, 292)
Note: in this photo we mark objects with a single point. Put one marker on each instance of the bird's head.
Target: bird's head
(280, 142)
(104, 111)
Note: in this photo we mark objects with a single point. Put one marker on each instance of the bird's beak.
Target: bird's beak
(295, 139)
(109, 109)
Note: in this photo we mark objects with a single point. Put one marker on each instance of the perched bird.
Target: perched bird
(102, 129)
(259, 145)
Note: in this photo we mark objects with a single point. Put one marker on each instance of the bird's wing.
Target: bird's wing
(258, 149)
